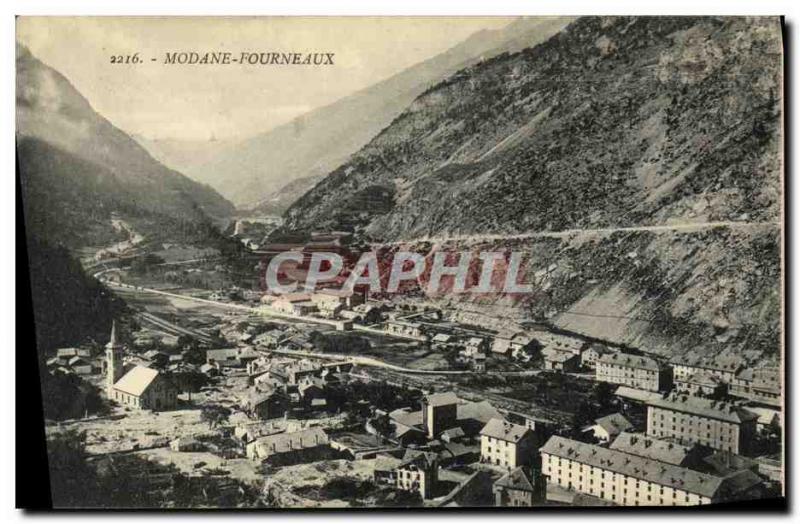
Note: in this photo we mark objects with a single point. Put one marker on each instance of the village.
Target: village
(338, 399)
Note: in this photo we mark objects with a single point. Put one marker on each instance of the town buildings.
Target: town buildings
(606, 429)
(516, 489)
(632, 370)
(439, 412)
(507, 445)
(716, 424)
(723, 366)
(652, 448)
(701, 383)
(564, 361)
(307, 445)
(140, 387)
(762, 385)
(630, 480)
(405, 328)
(418, 471)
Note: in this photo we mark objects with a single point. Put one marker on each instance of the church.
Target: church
(139, 387)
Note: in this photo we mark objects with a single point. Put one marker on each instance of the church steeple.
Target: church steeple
(112, 342)
(113, 361)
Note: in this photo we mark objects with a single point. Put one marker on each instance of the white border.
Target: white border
(343, 7)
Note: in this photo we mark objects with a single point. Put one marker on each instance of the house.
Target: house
(186, 443)
(726, 367)
(761, 385)
(593, 353)
(563, 361)
(80, 366)
(312, 393)
(630, 480)
(702, 382)
(294, 371)
(516, 489)
(716, 424)
(475, 345)
(633, 370)
(507, 445)
(228, 357)
(308, 445)
(767, 417)
(419, 472)
(405, 328)
(266, 404)
(606, 429)
(452, 434)
(297, 304)
(231, 357)
(478, 363)
(442, 340)
(156, 357)
(370, 314)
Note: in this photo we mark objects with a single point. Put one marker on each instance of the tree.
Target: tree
(215, 415)
(604, 395)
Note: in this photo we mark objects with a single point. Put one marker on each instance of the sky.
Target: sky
(184, 102)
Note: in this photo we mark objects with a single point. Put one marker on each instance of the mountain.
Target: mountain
(77, 169)
(312, 145)
(618, 122)
(184, 155)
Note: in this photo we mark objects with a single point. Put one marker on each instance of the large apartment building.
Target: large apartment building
(506, 444)
(630, 480)
(632, 370)
(761, 385)
(716, 424)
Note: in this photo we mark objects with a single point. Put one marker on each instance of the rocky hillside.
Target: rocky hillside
(76, 168)
(612, 123)
(248, 173)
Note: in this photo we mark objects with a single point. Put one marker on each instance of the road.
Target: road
(689, 227)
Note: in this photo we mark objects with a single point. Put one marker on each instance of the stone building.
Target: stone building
(140, 387)
(630, 480)
(507, 445)
(632, 370)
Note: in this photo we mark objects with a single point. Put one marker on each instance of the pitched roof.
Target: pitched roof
(651, 448)
(482, 411)
(441, 399)
(515, 479)
(614, 423)
(639, 395)
(421, 459)
(634, 466)
(504, 430)
(705, 407)
(630, 361)
(137, 380)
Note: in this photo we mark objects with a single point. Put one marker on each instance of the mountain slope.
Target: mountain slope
(76, 168)
(613, 122)
(316, 143)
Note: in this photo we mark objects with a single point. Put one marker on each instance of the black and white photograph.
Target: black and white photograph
(403, 262)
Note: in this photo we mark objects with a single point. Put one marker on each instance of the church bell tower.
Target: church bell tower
(113, 361)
